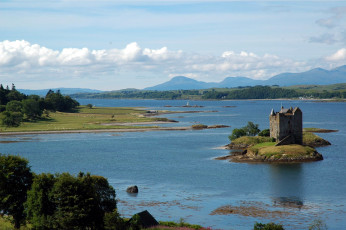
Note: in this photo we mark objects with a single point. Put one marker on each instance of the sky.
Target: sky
(111, 45)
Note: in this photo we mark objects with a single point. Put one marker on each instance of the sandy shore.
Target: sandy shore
(95, 131)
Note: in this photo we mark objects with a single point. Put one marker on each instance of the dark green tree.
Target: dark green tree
(39, 206)
(264, 133)
(31, 108)
(113, 221)
(64, 201)
(11, 119)
(58, 102)
(105, 194)
(14, 95)
(15, 181)
(251, 129)
(236, 133)
(14, 106)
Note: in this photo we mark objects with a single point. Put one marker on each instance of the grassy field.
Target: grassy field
(85, 119)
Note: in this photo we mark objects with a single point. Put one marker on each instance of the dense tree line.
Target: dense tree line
(255, 92)
(16, 107)
(326, 94)
(143, 94)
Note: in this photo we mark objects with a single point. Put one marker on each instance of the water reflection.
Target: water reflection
(287, 185)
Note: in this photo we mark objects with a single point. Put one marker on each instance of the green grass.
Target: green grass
(84, 119)
(285, 151)
(310, 138)
(250, 141)
(311, 129)
(257, 147)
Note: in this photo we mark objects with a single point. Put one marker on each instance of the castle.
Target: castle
(286, 126)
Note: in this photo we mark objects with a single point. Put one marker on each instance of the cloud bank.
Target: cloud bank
(21, 60)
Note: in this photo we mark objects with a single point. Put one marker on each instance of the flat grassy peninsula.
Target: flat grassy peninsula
(87, 119)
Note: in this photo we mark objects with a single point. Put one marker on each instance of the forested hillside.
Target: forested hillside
(255, 92)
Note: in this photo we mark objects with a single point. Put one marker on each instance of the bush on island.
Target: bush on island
(250, 129)
(264, 133)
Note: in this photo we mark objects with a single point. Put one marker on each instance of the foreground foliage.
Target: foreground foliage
(63, 201)
(60, 201)
(15, 180)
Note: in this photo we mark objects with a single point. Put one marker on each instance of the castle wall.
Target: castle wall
(274, 128)
(287, 124)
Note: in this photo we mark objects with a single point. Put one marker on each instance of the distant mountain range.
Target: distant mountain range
(316, 76)
(65, 91)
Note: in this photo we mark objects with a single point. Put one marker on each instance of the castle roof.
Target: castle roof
(289, 111)
(283, 110)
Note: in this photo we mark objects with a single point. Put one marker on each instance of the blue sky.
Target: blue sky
(112, 45)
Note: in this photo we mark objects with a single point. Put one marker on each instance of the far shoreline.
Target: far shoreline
(94, 131)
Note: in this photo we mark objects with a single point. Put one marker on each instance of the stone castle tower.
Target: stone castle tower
(286, 126)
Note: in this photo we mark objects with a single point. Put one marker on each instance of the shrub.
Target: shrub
(269, 226)
(250, 129)
(264, 133)
(236, 133)
(11, 119)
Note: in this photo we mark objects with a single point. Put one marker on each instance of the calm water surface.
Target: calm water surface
(178, 177)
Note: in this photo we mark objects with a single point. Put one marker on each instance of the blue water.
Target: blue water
(178, 177)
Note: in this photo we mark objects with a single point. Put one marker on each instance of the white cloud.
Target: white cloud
(32, 61)
(338, 56)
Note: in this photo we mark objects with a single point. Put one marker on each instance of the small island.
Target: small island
(284, 142)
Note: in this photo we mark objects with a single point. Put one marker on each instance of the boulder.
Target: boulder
(132, 189)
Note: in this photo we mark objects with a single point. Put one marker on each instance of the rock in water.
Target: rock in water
(132, 189)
